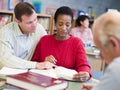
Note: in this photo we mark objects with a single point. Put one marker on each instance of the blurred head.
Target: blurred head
(26, 17)
(82, 20)
(63, 19)
(106, 32)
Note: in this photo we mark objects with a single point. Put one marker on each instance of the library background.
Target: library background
(45, 10)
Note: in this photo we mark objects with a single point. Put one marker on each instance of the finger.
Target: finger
(77, 77)
(50, 65)
(84, 74)
(53, 59)
(83, 79)
(84, 87)
(87, 86)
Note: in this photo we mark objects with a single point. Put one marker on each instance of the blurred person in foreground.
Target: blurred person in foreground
(18, 39)
(106, 33)
(63, 49)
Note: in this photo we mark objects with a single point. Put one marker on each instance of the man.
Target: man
(18, 39)
(106, 32)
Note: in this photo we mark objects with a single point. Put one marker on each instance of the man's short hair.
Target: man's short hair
(23, 8)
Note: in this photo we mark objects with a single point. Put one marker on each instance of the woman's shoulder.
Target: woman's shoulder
(47, 37)
(76, 42)
(75, 39)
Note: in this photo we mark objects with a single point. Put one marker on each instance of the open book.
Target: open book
(58, 72)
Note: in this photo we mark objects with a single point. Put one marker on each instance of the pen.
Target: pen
(53, 67)
(28, 70)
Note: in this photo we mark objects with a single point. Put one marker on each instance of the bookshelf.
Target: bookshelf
(5, 17)
(45, 20)
(73, 23)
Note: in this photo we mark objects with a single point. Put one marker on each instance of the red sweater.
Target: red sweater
(69, 53)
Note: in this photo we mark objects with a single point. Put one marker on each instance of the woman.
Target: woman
(82, 30)
(62, 49)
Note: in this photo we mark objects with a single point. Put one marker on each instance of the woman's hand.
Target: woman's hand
(51, 59)
(82, 76)
(45, 65)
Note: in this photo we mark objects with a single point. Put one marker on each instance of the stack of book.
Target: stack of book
(2, 83)
(34, 81)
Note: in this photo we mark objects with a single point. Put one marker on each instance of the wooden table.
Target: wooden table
(94, 59)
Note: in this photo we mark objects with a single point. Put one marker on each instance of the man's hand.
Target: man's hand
(45, 65)
(87, 86)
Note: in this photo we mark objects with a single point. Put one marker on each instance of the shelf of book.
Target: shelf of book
(45, 20)
(5, 17)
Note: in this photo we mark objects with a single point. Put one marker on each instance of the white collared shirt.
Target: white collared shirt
(16, 49)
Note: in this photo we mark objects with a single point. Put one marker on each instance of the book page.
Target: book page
(65, 73)
(48, 72)
(58, 72)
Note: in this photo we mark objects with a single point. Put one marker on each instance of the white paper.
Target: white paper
(10, 71)
(65, 73)
(49, 72)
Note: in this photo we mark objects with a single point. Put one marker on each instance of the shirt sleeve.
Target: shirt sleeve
(12, 61)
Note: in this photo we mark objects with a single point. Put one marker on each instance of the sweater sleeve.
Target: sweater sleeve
(81, 59)
(36, 54)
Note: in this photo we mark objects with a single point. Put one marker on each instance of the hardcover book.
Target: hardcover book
(34, 81)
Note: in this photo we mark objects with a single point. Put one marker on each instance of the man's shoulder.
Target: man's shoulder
(9, 25)
(39, 25)
(114, 66)
(115, 63)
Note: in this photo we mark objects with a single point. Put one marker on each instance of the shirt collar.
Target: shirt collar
(17, 29)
